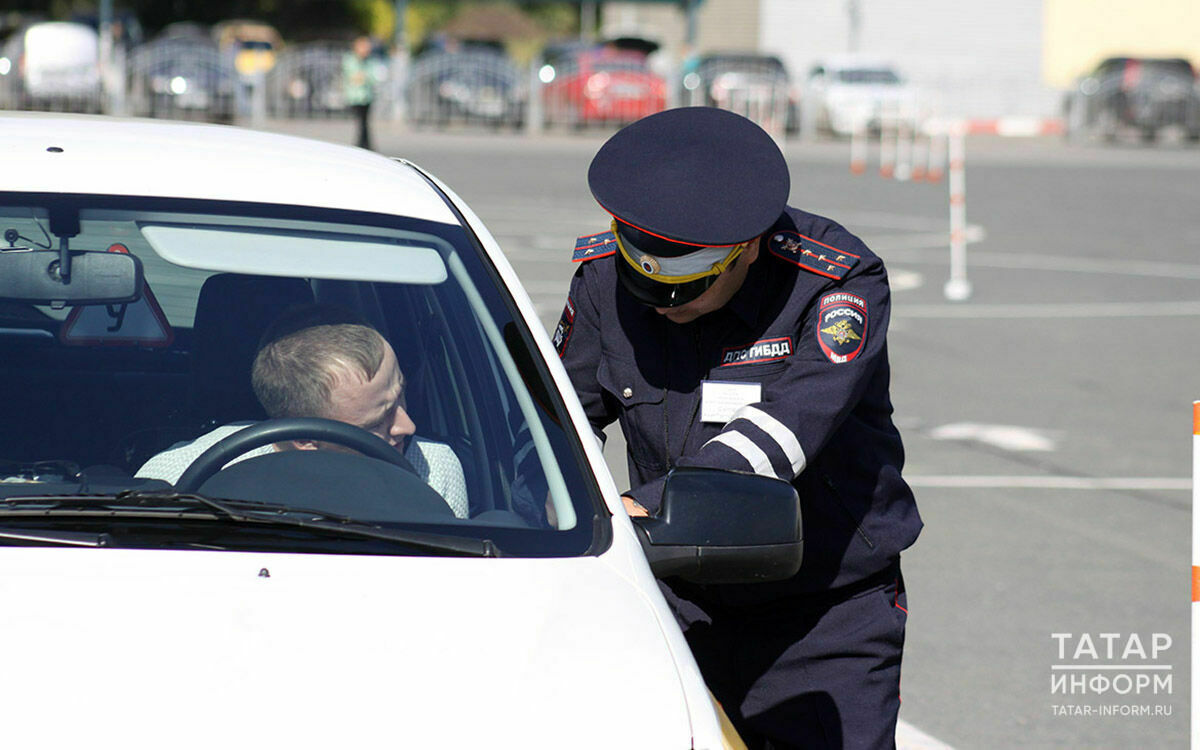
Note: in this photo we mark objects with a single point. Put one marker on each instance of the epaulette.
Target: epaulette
(811, 255)
(592, 246)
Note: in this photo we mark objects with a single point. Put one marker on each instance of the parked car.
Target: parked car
(307, 80)
(754, 85)
(253, 45)
(1131, 93)
(315, 598)
(602, 85)
(847, 92)
(474, 83)
(53, 65)
(181, 76)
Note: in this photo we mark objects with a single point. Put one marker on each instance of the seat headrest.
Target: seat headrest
(232, 313)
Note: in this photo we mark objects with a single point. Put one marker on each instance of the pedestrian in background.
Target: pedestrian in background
(725, 329)
(359, 76)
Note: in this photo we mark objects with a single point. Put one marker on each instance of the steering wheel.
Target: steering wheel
(277, 430)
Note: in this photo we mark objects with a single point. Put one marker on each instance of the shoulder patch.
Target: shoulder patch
(811, 255)
(562, 332)
(592, 246)
(842, 326)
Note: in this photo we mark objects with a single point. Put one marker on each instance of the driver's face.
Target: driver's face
(376, 405)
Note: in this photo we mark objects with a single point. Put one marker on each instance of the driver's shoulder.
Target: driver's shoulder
(170, 464)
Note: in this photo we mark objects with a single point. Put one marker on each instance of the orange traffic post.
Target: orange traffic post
(1195, 573)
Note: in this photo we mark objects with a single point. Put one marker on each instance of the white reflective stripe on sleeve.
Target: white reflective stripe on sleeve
(746, 448)
(780, 434)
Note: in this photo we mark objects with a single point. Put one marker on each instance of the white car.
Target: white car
(315, 598)
(846, 93)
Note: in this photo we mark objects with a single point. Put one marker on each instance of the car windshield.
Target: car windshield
(868, 76)
(117, 405)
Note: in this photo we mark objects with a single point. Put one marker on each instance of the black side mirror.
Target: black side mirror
(723, 527)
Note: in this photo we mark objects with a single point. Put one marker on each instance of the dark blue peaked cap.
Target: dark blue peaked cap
(697, 176)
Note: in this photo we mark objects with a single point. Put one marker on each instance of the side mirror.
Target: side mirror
(723, 527)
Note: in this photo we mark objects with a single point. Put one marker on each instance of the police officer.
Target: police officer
(724, 329)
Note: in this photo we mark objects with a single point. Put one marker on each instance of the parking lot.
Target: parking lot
(1046, 418)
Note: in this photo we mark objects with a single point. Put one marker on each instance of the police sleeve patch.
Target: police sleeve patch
(562, 332)
(842, 326)
(592, 246)
(811, 255)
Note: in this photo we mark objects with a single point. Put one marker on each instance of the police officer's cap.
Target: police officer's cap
(679, 184)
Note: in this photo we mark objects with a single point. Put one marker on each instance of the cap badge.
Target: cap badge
(650, 264)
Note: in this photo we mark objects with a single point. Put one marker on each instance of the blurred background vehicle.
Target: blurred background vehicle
(181, 75)
(52, 66)
(252, 44)
(306, 81)
(463, 81)
(610, 84)
(842, 91)
(1134, 93)
(751, 84)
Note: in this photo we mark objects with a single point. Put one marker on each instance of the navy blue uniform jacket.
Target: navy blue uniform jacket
(810, 325)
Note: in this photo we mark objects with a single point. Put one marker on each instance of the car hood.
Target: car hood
(191, 649)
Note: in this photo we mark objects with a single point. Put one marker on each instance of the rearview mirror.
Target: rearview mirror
(723, 527)
(96, 278)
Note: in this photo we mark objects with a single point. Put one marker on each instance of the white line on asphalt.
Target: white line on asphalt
(965, 311)
(909, 737)
(1170, 484)
(1006, 436)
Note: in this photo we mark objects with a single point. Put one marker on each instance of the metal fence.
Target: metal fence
(756, 87)
(597, 89)
(465, 88)
(187, 77)
(181, 79)
(307, 81)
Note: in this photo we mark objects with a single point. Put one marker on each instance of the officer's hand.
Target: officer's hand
(632, 508)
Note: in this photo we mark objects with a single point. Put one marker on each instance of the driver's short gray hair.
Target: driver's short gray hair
(293, 376)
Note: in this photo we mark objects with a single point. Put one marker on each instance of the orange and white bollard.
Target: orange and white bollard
(937, 153)
(920, 152)
(958, 288)
(887, 142)
(905, 132)
(1195, 573)
(858, 146)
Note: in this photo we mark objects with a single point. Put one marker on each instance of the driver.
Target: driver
(342, 371)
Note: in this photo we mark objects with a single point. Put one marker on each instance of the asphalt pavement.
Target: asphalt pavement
(1046, 419)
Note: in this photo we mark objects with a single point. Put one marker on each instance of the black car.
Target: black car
(476, 85)
(182, 76)
(1142, 94)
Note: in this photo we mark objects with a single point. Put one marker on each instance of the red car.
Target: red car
(602, 86)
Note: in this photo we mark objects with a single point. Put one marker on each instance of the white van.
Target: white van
(58, 66)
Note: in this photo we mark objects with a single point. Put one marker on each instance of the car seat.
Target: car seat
(232, 313)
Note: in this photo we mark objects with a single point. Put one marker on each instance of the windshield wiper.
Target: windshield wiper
(69, 538)
(270, 514)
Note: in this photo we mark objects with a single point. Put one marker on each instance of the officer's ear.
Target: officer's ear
(750, 251)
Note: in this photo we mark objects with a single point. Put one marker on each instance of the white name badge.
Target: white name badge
(719, 399)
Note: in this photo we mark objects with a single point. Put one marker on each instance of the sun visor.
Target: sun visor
(267, 252)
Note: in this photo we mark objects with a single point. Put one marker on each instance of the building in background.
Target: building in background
(971, 58)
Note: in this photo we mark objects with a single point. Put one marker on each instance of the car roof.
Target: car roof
(88, 154)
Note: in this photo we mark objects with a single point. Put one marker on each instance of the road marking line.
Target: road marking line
(1007, 437)
(1169, 484)
(1068, 310)
(909, 737)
